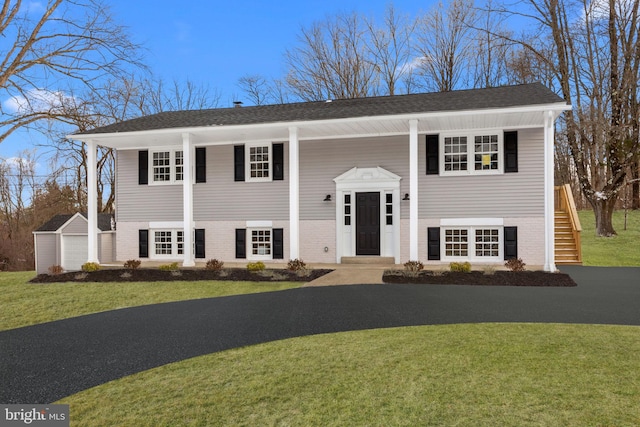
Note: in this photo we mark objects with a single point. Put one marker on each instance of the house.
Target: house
(63, 241)
(437, 177)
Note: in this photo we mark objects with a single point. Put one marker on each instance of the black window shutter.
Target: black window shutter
(433, 156)
(143, 167)
(278, 162)
(511, 151)
(510, 243)
(143, 243)
(199, 242)
(201, 164)
(241, 243)
(238, 162)
(433, 243)
(278, 243)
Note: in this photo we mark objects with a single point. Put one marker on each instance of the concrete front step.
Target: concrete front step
(372, 260)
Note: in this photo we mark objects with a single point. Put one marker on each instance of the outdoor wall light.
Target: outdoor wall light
(327, 198)
(406, 196)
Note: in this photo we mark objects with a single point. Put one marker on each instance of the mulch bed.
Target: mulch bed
(498, 278)
(157, 275)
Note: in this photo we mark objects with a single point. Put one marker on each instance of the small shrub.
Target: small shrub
(90, 266)
(515, 264)
(256, 266)
(80, 276)
(55, 270)
(463, 267)
(132, 264)
(214, 265)
(296, 265)
(176, 273)
(223, 273)
(488, 270)
(169, 267)
(412, 268)
(126, 275)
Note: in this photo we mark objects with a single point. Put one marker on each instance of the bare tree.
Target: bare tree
(595, 57)
(46, 43)
(256, 87)
(390, 47)
(331, 61)
(444, 41)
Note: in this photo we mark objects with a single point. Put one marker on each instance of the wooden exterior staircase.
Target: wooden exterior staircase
(567, 228)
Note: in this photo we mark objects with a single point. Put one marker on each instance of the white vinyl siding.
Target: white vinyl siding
(518, 194)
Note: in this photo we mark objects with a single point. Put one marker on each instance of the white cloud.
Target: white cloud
(414, 64)
(36, 100)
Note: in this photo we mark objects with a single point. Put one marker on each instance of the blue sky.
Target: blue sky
(216, 42)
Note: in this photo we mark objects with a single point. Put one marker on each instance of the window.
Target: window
(486, 152)
(259, 162)
(167, 166)
(487, 243)
(389, 208)
(455, 153)
(260, 243)
(456, 243)
(479, 243)
(471, 154)
(347, 209)
(168, 243)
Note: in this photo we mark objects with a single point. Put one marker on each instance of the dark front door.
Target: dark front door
(367, 223)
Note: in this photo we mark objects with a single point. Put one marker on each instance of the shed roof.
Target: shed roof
(54, 224)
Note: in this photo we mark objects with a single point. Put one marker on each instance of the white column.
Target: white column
(413, 190)
(294, 194)
(187, 200)
(549, 214)
(92, 202)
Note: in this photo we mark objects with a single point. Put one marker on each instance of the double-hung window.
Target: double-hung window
(258, 162)
(469, 154)
(260, 244)
(167, 167)
(472, 243)
(167, 243)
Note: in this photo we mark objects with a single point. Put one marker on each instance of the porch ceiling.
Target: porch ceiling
(509, 118)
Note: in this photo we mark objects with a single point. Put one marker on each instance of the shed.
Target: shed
(63, 240)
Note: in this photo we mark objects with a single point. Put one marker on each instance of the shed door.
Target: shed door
(74, 252)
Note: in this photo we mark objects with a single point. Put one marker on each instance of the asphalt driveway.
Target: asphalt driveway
(44, 363)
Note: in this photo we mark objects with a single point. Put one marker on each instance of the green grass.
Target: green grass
(451, 375)
(620, 250)
(24, 304)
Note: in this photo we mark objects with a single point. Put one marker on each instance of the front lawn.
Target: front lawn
(26, 304)
(462, 375)
(620, 250)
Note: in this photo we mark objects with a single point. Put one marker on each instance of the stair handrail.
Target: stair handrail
(570, 206)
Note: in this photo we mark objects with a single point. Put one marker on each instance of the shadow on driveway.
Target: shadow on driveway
(46, 362)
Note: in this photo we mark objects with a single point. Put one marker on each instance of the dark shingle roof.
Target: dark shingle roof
(499, 97)
(104, 222)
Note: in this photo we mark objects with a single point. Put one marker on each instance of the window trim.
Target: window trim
(174, 243)
(471, 243)
(247, 161)
(471, 136)
(250, 255)
(172, 165)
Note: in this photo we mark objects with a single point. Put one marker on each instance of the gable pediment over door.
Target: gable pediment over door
(367, 177)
